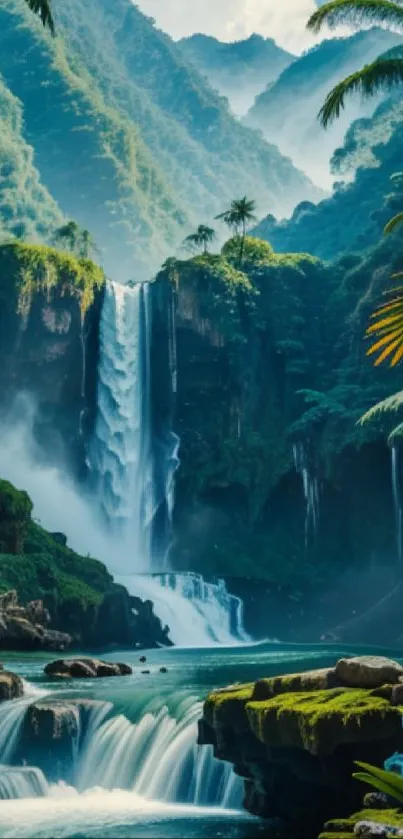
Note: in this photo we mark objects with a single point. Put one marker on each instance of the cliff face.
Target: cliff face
(276, 479)
(49, 318)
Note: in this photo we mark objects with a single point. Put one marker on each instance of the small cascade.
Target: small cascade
(11, 719)
(22, 782)
(120, 456)
(397, 497)
(157, 758)
(198, 613)
(303, 467)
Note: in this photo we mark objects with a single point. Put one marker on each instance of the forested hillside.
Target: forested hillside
(128, 139)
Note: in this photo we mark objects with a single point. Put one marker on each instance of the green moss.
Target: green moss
(227, 707)
(319, 721)
(15, 513)
(343, 828)
(37, 268)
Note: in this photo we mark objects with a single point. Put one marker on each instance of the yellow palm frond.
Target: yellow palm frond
(387, 329)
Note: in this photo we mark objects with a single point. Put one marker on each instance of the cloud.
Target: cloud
(232, 20)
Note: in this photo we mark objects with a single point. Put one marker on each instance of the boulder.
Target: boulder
(86, 668)
(368, 671)
(11, 686)
(23, 627)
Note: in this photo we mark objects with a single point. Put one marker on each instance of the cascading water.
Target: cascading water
(311, 489)
(120, 455)
(397, 498)
(156, 756)
(211, 615)
(133, 478)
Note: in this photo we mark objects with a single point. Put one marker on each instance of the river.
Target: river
(138, 772)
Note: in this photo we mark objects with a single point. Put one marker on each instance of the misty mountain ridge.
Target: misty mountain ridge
(238, 70)
(287, 110)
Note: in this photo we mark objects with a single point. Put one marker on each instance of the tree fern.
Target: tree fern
(43, 8)
(357, 12)
(391, 404)
(382, 74)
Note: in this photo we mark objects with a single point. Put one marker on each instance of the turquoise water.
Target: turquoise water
(128, 782)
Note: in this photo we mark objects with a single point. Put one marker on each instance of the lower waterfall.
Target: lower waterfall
(198, 613)
(155, 756)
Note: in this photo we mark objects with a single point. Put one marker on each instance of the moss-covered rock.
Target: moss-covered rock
(343, 828)
(295, 738)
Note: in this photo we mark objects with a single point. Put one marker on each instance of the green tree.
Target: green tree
(237, 217)
(87, 247)
(68, 237)
(202, 238)
(381, 74)
(43, 8)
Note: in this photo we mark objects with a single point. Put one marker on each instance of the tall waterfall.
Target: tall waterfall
(310, 487)
(397, 498)
(121, 452)
(133, 459)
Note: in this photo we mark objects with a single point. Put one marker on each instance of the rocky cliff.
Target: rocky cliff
(276, 478)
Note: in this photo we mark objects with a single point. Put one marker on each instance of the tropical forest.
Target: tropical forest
(201, 419)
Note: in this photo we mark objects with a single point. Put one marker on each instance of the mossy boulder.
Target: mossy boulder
(391, 820)
(11, 686)
(295, 738)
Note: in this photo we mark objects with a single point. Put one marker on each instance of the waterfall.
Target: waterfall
(121, 453)
(198, 613)
(157, 757)
(310, 487)
(397, 498)
(22, 782)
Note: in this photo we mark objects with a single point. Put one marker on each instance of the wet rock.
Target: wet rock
(86, 668)
(11, 686)
(397, 694)
(146, 672)
(368, 671)
(376, 801)
(163, 670)
(24, 627)
(371, 830)
(142, 659)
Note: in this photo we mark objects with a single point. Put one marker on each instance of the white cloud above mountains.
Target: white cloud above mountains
(231, 20)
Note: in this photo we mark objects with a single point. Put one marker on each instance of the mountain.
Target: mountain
(129, 140)
(287, 110)
(373, 148)
(27, 209)
(239, 70)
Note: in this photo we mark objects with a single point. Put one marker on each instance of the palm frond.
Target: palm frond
(43, 8)
(356, 12)
(380, 75)
(391, 404)
(387, 329)
(394, 222)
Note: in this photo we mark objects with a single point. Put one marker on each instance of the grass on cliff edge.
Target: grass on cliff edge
(29, 269)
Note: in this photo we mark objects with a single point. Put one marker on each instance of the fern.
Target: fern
(391, 404)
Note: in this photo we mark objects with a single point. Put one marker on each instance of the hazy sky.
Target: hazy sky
(229, 20)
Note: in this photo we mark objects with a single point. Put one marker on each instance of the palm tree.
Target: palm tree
(202, 237)
(43, 8)
(237, 216)
(381, 74)
(68, 237)
(87, 247)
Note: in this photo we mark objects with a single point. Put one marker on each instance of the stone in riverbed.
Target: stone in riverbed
(368, 671)
(11, 686)
(86, 668)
